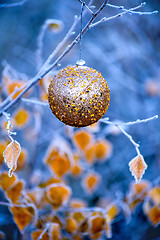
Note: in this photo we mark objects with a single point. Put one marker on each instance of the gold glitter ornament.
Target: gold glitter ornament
(78, 96)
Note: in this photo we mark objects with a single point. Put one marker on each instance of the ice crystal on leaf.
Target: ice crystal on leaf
(137, 167)
(11, 155)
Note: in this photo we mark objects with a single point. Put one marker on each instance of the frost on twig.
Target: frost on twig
(54, 26)
(137, 165)
(124, 11)
(10, 5)
(9, 125)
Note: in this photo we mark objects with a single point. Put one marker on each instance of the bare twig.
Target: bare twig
(131, 11)
(5, 5)
(125, 11)
(106, 120)
(9, 125)
(119, 125)
(136, 145)
(86, 7)
(32, 101)
(61, 44)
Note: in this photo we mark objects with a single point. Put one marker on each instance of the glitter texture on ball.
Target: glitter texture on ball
(78, 96)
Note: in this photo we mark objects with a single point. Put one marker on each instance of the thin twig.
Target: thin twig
(39, 76)
(32, 101)
(136, 145)
(9, 125)
(61, 44)
(106, 120)
(119, 125)
(5, 5)
(86, 7)
(131, 11)
(125, 11)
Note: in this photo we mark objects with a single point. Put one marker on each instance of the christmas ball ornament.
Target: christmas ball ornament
(78, 96)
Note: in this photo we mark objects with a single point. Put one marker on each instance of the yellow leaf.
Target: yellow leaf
(11, 155)
(137, 167)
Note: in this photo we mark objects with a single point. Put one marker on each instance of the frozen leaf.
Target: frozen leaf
(82, 139)
(22, 159)
(77, 169)
(154, 215)
(79, 217)
(91, 181)
(36, 234)
(103, 149)
(11, 155)
(14, 192)
(137, 193)
(137, 167)
(58, 194)
(5, 181)
(54, 231)
(22, 216)
(71, 225)
(155, 195)
(21, 118)
(96, 223)
(2, 148)
(112, 212)
(77, 203)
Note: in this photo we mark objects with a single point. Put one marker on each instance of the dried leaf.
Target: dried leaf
(21, 118)
(155, 195)
(54, 231)
(137, 167)
(11, 155)
(82, 139)
(6, 182)
(58, 194)
(71, 225)
(37, 233)
(22, 216)
(91, 181)
(154, 216)
(14, 192)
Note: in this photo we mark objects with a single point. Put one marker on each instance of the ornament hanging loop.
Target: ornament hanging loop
(81, 62)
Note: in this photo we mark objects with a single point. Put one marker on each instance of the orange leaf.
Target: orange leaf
(155, 195)
(14, 192)
(22, 216)
(5, 181)
(58, 194)
(91, 181)
(11, 155)
(2, 148)
(137, 167)
(21, 118)
(54, 231)
(36, 234)
(71, 225)
(82, 139)
(154, 216)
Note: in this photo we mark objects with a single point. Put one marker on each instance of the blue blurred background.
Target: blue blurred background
(126, 51)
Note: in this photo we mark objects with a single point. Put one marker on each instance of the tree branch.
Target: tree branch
(39, 76)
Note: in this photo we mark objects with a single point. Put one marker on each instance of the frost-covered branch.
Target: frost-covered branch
(120, 124)
(125, 11)
(39, 76)
(9, 5)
